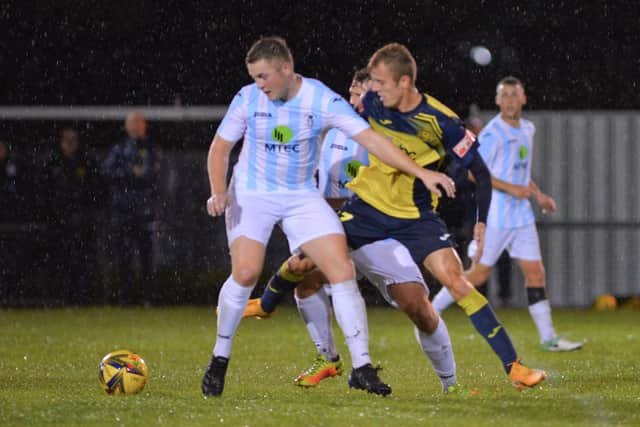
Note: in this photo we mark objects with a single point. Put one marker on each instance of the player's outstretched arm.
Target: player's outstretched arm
(382, 148)
(217, 165)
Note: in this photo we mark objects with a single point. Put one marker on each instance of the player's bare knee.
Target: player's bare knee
(340, 271)
(536, 277)
(245, 276)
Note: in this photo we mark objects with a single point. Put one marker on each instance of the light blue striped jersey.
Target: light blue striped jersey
(340, 159)
(282, 139)
(507, 152)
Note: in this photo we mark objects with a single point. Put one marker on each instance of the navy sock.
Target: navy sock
(277, 288)
(486, 323)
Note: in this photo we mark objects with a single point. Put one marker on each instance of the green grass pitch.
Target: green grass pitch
(49, 366)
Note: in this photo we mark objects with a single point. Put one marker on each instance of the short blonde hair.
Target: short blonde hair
(269, 48)
(399, 60)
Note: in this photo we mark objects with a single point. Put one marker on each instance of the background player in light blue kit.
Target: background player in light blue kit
(506, 145)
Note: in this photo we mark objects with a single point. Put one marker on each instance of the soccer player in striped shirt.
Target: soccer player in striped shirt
(282, 117)
(506, 145)
(386, 263)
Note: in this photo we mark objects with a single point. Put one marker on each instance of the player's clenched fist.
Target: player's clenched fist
(217, 204)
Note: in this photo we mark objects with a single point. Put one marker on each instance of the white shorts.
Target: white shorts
(387, 262)
(520, 242)
(302, 216)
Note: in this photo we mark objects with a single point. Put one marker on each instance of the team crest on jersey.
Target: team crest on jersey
(465, 144)
(428, 136)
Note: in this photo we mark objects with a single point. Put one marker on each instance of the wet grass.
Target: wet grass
(49, 366)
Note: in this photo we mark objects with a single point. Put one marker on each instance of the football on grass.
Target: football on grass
(123, 372)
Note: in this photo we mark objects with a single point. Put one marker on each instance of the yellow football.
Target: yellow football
(123, 372)
(605, 302)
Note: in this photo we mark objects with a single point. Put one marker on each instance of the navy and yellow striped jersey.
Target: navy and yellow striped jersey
(427, 134)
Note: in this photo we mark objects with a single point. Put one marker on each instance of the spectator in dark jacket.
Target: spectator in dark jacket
(132, 168)
(11, 215)
(74, 191)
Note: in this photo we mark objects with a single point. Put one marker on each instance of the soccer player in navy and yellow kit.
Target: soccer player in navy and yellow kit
(392, 204)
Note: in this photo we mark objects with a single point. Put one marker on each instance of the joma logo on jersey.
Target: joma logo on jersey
(261, 114)
(282, 134)
(339, 147)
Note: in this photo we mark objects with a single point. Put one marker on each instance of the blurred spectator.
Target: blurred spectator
(474, 124)
(74, 190)
(12, 172)
(132, 168)
(12, 184)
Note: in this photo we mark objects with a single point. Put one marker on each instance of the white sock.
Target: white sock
(442, 300)
(437, 347)
(351, 315)
(316, 312)
(541, 314)
(231, 304)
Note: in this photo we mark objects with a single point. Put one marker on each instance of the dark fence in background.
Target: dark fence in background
(191, 259)
(587, 161)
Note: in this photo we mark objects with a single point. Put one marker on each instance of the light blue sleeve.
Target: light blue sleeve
(343, 117)
(487, 148)
(234, 122)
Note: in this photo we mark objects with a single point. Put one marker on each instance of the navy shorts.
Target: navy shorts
(364, 224)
